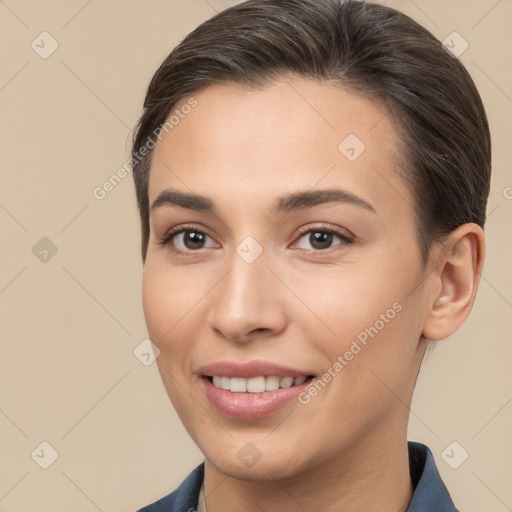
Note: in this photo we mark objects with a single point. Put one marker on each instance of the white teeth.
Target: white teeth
(286, 382)
(255, 384)
(271, 383)
(225, 383)
(238, 385)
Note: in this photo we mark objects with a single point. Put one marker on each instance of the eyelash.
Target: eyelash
(169, 235)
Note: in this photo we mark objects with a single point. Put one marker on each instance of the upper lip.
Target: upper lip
(250, 369)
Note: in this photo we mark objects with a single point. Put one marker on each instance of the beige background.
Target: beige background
(70, 324)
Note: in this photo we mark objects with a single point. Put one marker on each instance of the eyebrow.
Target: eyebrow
(284, 204)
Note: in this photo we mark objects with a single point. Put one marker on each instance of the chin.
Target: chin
(253, 457)
(269, 467)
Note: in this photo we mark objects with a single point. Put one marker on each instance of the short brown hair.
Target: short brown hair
(364, 48)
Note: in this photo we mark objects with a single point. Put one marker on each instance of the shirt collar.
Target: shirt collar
(429, 494)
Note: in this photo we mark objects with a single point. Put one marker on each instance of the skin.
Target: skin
(297, 304)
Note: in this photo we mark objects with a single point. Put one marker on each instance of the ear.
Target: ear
(458, 265)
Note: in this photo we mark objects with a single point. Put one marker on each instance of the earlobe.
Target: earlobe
(458, 266)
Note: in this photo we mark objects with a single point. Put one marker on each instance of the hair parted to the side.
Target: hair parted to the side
(365, 48)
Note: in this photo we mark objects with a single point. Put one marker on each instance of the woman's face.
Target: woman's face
(258, 286)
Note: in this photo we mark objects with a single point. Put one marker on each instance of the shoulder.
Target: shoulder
(183, 498)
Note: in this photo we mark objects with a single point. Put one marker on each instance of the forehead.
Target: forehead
(244, 144)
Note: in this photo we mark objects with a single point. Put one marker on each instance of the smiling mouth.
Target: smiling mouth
(258, 384)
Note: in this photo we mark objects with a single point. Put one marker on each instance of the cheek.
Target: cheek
(154, 305)
(167, 298)
(376, 323)
(348, 300)
(167, 302)
(378, 358)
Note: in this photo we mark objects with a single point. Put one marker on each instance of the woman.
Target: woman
(312, 179)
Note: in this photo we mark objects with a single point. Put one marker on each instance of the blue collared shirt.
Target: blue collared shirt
(430, 493)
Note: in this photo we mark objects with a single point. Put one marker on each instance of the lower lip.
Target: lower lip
(250, 406)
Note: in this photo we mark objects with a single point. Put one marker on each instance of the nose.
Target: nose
(247, 302)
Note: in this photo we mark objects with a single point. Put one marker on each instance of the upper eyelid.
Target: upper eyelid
(325, 227)
(301, 230)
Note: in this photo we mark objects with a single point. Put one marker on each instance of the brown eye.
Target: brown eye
(322, 238)
(193, 239)
(187, 240)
